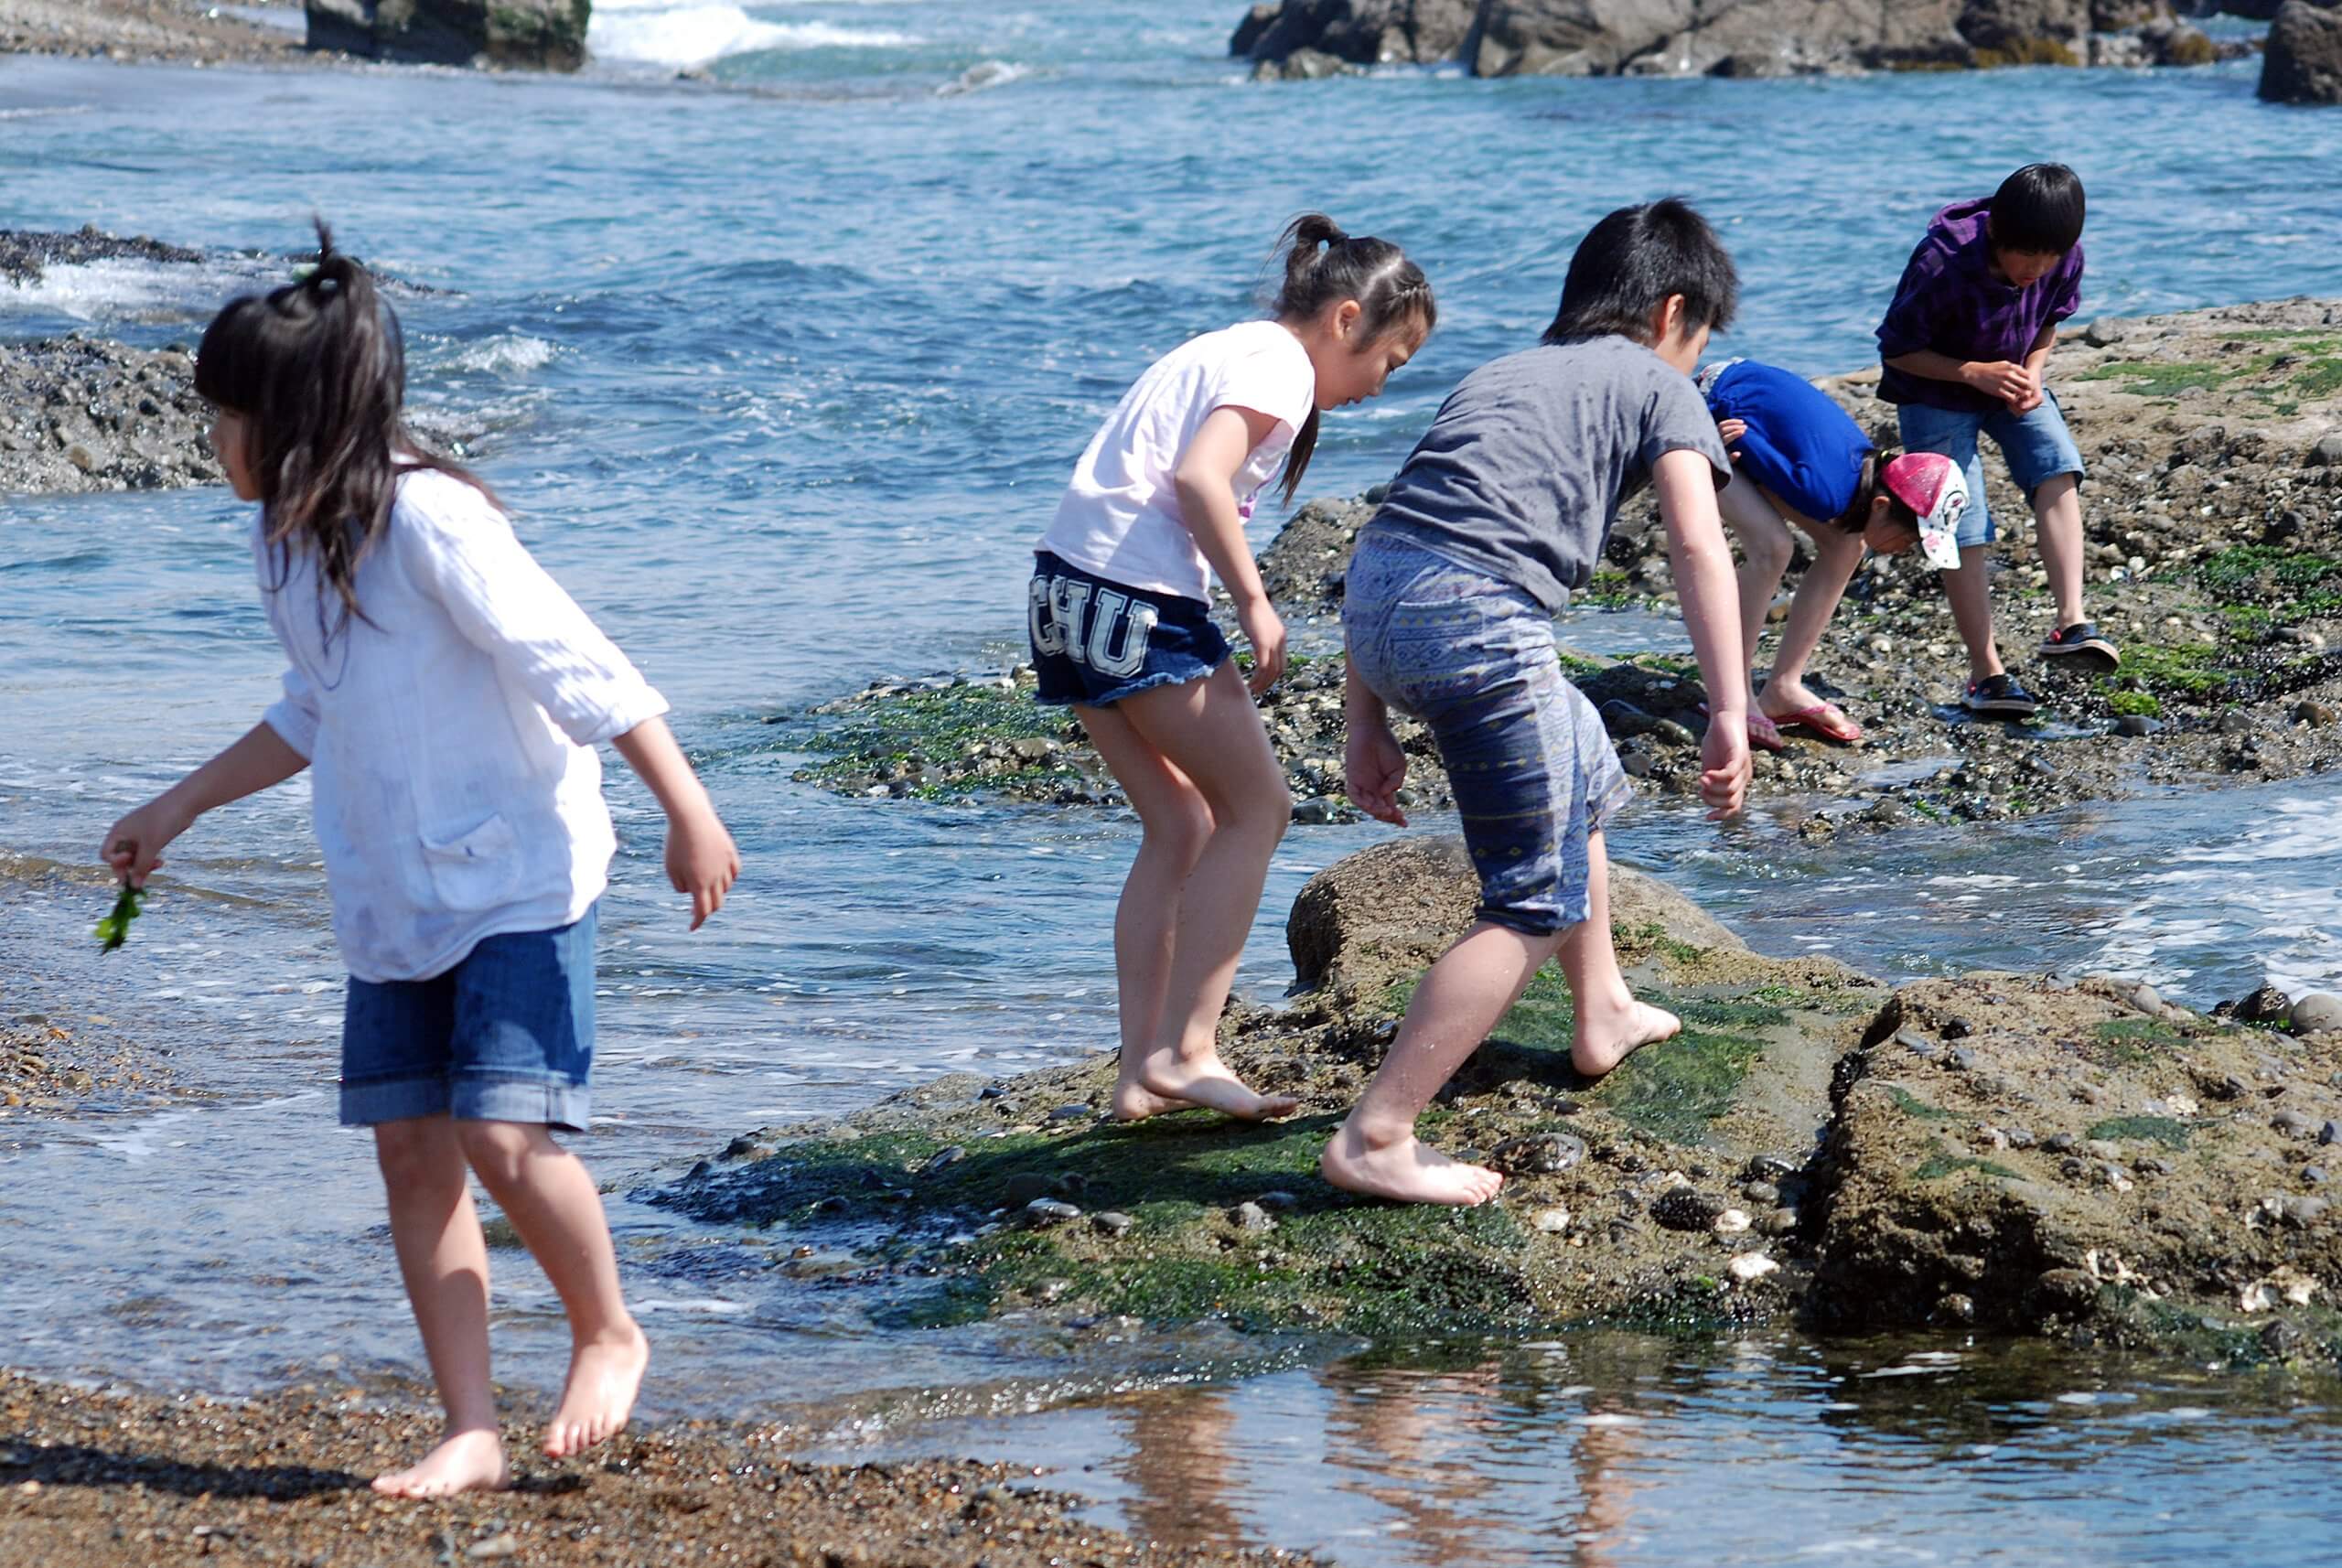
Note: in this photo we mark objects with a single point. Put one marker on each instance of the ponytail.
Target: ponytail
(1323, 266)
(318, 369)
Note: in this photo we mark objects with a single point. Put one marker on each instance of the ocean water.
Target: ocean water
(781, 367)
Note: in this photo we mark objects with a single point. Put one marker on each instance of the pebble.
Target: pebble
(2330, 1133)
(2293, 1124)
(1111, 1221)
(495, 1546)
(1539, 1154)
(1958, 1028)
(1076, 1112)
(2314, 1176)
(2103, 1148)
(2059, 1143)
(1781, 1221)
(1769, 1167)
(1750, 1267)
(1732, 1222)
(1250, 1217)
(1023, 1186)
(1552, 1221)
(943, 1159)
(2294, 1210)
(2135, 725)
(1043, 1212)
(1764, 1193)
(1278, 1202)
(2326, 453)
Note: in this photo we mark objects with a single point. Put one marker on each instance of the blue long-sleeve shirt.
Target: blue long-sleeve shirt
(1800, 445)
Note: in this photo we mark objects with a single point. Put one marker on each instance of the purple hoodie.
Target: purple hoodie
(1949, 301)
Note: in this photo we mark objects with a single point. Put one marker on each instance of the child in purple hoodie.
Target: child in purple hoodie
(1964, 345)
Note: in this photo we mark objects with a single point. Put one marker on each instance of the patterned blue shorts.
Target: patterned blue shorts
(505, 1035)
(1533, 769)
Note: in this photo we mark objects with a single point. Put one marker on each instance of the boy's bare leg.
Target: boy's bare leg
(547, 1192)
(1972, 611)
(1474, 983)
(1176, 826)
(1209, 731)
(1611, 1025)
(2057, 531)
(1765, 549)
(1836, 554)
(443, 1259)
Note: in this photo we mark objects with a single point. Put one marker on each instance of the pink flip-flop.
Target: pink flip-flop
(1825, 719)
(1763, 734)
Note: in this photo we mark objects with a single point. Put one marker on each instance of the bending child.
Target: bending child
(1121, 631)
(1798, 458)
(1501, 511)
(1966, 343)
(446, 696)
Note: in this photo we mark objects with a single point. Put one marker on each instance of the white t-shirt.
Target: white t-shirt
(1120, 518)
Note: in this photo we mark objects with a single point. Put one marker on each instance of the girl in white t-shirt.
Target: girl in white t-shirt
(1121, 632)
(445, 697)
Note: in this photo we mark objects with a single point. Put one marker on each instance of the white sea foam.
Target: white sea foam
(129, 288)
(984, 75)
(506, 353)
(660, 32)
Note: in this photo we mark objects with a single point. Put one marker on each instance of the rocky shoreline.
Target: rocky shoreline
(2214, 520)
(104, 1477)
(147, 32)
(2019, 1154)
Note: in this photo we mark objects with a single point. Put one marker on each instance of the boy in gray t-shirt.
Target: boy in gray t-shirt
(1448, 607)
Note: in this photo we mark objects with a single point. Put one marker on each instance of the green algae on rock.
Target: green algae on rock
(2022, 1154)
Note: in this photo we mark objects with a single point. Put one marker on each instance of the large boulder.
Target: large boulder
(539, 35)
(2303, 63)
(1293, 36)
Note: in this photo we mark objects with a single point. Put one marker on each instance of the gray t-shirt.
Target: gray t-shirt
(1523, 473)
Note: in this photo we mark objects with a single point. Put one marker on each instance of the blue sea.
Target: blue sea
(781, 327)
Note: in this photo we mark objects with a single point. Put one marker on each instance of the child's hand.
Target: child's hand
(2000, 379)
(2031, 398)
(1732, 430)
(1724, 765)
(1373, 768)
(701, 862)
(1264, 630)
(134, 846)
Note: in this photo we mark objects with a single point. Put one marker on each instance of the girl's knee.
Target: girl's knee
(499, 1151)
(416, 1152)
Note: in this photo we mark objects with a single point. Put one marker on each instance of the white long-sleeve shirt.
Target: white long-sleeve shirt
(450, 733)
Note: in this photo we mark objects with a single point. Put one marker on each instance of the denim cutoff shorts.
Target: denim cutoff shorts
(1096, 642)
(505, 1035)
(2037, 445)
(1533, 769)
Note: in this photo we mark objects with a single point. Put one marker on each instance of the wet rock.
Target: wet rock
(1763, 1194)
(2330, 1133)
(1552, 1221)
(943, 1159)
(1250, 1217)
(2302, 62)
(1538, 1154)
(1023, 1187)
(2293, 1124)
(1076, 1112)
(1781, 1221)
(1731, 1222)
(1044, 1212)
(2294, 1210)
(1111, 1222)
(1747, 1268)
(1278, 1202)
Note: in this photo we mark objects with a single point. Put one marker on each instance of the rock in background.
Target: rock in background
(1690, 38)
(83, 413)
(542, 35)
(2304, 64)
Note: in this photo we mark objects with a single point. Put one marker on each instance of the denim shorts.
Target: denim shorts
(1533, 770)
(505, 1035)
(2037, 445)
(1096, 642)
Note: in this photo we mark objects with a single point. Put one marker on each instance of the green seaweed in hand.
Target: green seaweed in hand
(114, 930)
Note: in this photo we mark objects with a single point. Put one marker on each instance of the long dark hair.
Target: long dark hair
(1629, 263)
(318, 369)
(1324, 266)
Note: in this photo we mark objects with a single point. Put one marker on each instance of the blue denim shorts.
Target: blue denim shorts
(505, 1035)
(1096, 642)
(2037, 445)
(1533, 770)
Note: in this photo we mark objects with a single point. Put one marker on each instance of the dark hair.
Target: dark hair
(1867, 489)
(1629, 263)
(1324, 266)
(2038, 209)
(319, 369)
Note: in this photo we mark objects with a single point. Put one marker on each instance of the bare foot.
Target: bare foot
(1405, 1170)
(1604, 1043)
(599, 1395)
(1163, 1082)
(467, 1462)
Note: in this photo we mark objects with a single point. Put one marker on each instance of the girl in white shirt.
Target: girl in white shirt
(1121, 632)
(446, 696)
